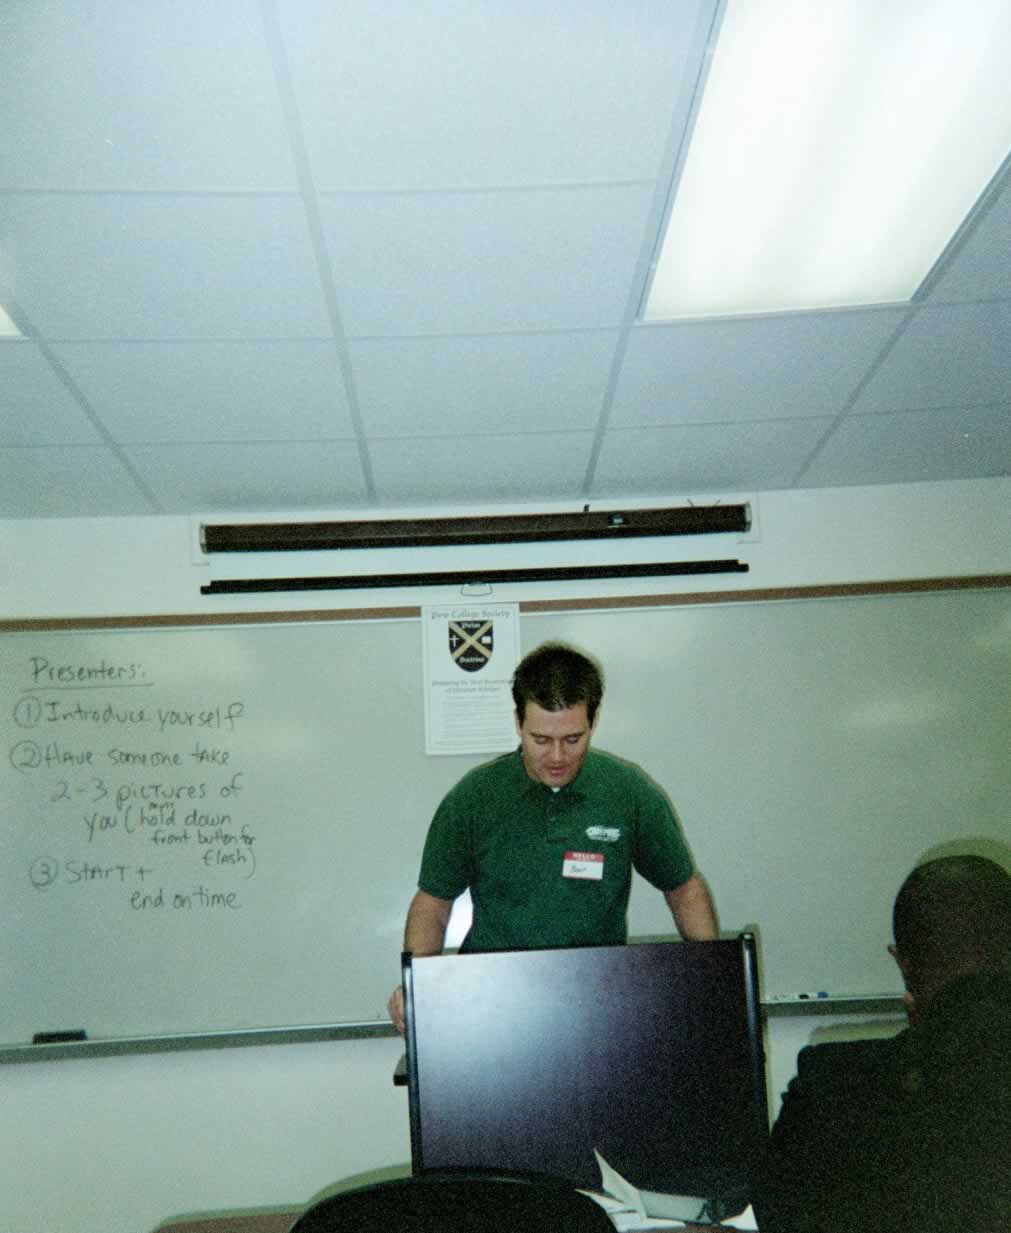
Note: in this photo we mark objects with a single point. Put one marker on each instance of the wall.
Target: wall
(101, 566)
(119, 1144)
(116, 1145)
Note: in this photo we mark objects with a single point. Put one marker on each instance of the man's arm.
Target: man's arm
(427, 918)
(424, 934)
(692, 907)
(793, 1164)
(844, 1146)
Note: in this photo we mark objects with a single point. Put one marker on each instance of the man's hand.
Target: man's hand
(424, 934)
(396, 1008)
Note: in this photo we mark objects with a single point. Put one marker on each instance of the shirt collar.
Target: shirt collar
(579, 787)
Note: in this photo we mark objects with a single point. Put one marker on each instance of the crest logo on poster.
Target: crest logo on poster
(471, 644)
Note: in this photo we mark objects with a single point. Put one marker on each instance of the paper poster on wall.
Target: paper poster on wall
(470, 654)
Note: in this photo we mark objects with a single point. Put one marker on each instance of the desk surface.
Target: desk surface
(281, 1220)
(278, 1220)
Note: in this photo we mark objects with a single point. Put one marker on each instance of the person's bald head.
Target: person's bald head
(952, 917)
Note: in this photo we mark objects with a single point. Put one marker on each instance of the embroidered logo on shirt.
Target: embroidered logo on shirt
(604, 834)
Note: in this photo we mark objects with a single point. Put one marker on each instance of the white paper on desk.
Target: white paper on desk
(746, 1220)
(612, 1183)
(622, 1216)
(649, 1203)
(644, 1207)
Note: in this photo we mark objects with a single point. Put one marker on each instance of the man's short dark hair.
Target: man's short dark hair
(557, 677)
(952, 916)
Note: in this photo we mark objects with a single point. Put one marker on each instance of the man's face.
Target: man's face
(554, 743)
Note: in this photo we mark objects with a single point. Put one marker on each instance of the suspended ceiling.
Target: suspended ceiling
(308, 255)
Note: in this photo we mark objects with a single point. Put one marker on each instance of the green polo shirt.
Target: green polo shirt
(517, 844)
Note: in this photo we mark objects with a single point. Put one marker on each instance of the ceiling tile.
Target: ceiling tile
(99, 266)
(256, 477)
(469, 95)
(84, 481)
(981, 269)
(914, 446)
(540, 466)
(36, 408)
(704, 457)
(240, 391)
(474, 262)
(162, 94)
(514, 382)
(754, 368)
(951, 354)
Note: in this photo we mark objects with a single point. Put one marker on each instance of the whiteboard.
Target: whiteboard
(218, 827)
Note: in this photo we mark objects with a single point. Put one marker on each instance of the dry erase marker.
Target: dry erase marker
(819, 995)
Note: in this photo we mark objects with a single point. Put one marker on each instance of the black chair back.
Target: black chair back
(451, 1201)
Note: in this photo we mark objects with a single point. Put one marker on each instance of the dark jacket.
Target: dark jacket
(912, 1133)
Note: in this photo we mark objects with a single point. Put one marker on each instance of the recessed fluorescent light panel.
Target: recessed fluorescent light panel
(837, 147)
(7, 327)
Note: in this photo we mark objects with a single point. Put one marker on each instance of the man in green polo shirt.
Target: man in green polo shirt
(546, 837)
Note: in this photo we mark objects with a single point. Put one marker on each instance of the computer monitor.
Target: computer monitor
(651, 1054)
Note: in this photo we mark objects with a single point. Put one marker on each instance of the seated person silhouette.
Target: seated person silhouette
(914, 1132)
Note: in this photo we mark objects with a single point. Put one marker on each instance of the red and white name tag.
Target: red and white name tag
(588, 865)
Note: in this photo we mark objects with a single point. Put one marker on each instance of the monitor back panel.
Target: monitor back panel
(650, 1053)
